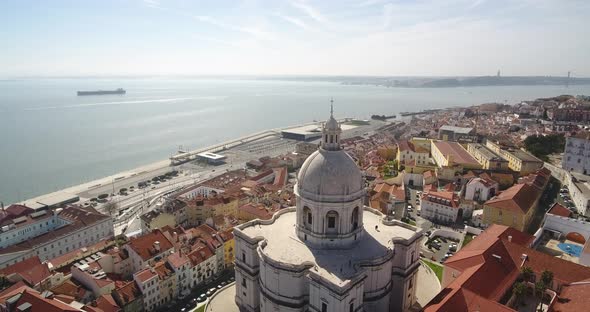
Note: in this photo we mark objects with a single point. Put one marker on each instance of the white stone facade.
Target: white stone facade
(65, 236)
(480, 190)
(330, 252)
(576, 157)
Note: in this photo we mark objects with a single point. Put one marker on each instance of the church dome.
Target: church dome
(330, 173)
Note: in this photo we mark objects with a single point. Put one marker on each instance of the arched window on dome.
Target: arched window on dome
(307, 217)
(355, 218)
(332, 222)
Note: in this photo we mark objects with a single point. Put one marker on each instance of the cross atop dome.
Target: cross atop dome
(332, 107)
(331, 132)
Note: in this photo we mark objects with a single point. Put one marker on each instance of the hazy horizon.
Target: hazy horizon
(425, 38)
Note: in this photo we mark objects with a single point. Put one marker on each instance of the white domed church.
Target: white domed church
(330, 252)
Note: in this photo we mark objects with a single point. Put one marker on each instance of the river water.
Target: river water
(50, 138)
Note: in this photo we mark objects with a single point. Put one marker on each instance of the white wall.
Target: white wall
(567, 225)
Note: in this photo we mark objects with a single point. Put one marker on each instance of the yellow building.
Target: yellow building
(408, 153)
(514, 207)
(228, 247)
(487, 158)
(518, 160)
(200, 209)
(448, 154)
(521, 161)
(156, 220)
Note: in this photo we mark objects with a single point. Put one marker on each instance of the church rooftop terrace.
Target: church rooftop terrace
(340, 267)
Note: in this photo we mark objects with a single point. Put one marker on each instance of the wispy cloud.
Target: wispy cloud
(295, 21)
(216, 41)
(256, 32)
(309, 11)
(476, 3)
(152, 3)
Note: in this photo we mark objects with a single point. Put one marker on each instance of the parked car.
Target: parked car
(211, 291)
(202, 298)
(453, 247)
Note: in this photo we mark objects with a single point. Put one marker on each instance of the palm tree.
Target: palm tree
(547, 278)
(539, 292)
(518, 291)
(527, 273)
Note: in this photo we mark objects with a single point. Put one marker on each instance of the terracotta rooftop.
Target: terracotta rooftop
(518, 198)
(36, 302)
(490, 264)
(145, 275)
(31, 270)
(459, 154)
(200, 254)
(127, 293)
(449, 199)
(559, 210)
(259, 211)
(573, 297)
(145, 245)
(177, 260)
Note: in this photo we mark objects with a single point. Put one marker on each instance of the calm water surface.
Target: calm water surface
(50, 138)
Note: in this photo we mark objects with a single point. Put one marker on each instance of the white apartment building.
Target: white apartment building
(480, 189)
(444, 207)
(576, 156)
(52, 233)
(148, 249)
(148, 282)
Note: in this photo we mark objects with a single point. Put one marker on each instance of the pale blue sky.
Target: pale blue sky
(329, 37)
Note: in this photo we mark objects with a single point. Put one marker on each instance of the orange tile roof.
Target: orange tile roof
(573, 298)
(177, 259)
(38, 302)
(200, 254)
(31, 270)
(259, 211)
(459, 154)
(144, 245)
(518, 198)
(127, 293)
(105, 303)
(163, 270)
(145, 275)
(559, 210)
(490, 264)
(449, 199)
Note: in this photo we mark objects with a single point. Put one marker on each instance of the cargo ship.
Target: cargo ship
(101, 92)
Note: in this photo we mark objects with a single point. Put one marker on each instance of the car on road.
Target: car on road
(211, 291)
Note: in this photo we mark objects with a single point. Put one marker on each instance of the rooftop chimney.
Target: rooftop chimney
(510, 238)
(157, 246)
(497, 257)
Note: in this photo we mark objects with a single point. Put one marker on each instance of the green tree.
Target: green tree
(539, 293)
(527, 273)
(518, 291)
(547, 278)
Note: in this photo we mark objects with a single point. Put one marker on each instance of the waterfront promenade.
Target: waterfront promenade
(138, 201)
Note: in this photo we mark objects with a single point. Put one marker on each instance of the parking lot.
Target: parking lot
(440, 249)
